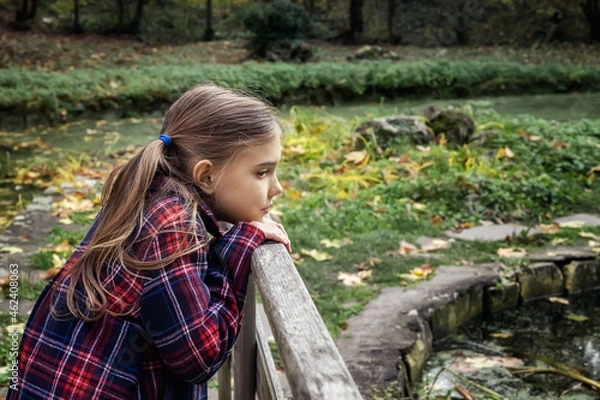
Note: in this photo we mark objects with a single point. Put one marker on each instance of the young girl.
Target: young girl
(149, 304)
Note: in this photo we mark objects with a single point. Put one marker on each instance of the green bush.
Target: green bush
(279, 20)
(142, 89)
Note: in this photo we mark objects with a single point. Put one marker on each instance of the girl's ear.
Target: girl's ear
(202, 175)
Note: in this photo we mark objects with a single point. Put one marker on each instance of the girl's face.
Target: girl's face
(246, 187)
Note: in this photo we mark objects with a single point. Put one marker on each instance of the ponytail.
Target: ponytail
(118, 227)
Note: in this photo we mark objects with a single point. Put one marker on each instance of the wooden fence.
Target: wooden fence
(312, 363)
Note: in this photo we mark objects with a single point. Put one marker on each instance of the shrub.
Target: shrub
(277, 21)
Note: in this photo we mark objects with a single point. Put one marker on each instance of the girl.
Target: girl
(149, 304)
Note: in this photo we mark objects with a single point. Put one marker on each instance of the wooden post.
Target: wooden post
(314, 367)
(224, 379)
(244, 351)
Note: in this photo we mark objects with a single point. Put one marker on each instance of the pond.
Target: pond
(108, 135)
(546, 333)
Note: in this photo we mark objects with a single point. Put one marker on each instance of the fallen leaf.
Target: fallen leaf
(559, 300)
(500, 335)
(556, 241)
(296, 258)
(336, 243)
(576, 317)
(470, 364)
(62, 247)
(572, 224)
(373, 261)
(435, 244)
(512, 252)
(350, 279)
(357, 157)
(365, 274)
(588, 235)
(11, 250)
(66, 221)
(549, 228)
(317, 255)
(560, 144)
(406, 248)
(49, 273)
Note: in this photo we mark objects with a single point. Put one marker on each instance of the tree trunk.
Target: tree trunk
(121, 8)
(24, 14)
(390, 22)
(137, 20)
(77, 28)
(209, 33)
(356, 18)
(591, 9)
(33, 10)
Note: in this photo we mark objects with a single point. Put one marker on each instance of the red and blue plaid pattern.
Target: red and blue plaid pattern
(185, 318)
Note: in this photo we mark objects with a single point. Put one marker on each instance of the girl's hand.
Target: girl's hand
(274, 231)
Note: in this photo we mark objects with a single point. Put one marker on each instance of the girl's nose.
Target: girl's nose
(276, 188)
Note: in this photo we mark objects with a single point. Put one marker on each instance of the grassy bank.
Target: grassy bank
(60, 95)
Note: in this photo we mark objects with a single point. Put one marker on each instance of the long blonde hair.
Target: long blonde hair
(207, 122)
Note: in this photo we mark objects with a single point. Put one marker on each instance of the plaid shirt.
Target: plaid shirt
(185, 320)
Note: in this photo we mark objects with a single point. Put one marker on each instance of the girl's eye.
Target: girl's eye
(262, 174)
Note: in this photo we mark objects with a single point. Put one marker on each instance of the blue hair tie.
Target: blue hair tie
(165, 139)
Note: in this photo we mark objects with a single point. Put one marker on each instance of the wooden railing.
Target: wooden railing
(312, 363)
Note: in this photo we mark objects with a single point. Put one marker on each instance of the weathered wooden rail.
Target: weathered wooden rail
(313, 365)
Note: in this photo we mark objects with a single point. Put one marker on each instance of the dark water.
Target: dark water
(535, 334)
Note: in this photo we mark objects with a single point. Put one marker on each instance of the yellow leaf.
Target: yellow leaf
(593, 243)
(588, 235)
(57, 261)
(556, 241)
(512, 252)
(336, 243)
(576, 317)
(357, 157)
(572, 224)
(549, 228)
(62, 246)
(558, 300)
(373, 261)
(349, 279)
(365, 274)
(500, 335)
(406, 248)
(435, 244)
(20, 327)
(317, 255)
(11, 250)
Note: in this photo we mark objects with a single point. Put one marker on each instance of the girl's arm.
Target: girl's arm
(192, 308)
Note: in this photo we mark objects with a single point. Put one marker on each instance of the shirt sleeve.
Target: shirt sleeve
(192, 307)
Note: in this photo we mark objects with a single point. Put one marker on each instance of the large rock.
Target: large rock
(457, 127)
(384, 131)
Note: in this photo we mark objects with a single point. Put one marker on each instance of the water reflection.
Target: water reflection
(540, 333)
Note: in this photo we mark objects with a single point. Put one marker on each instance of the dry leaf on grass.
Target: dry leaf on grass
(316, 254)
(512, 252)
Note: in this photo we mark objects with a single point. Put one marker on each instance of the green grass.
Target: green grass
(380, 201)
